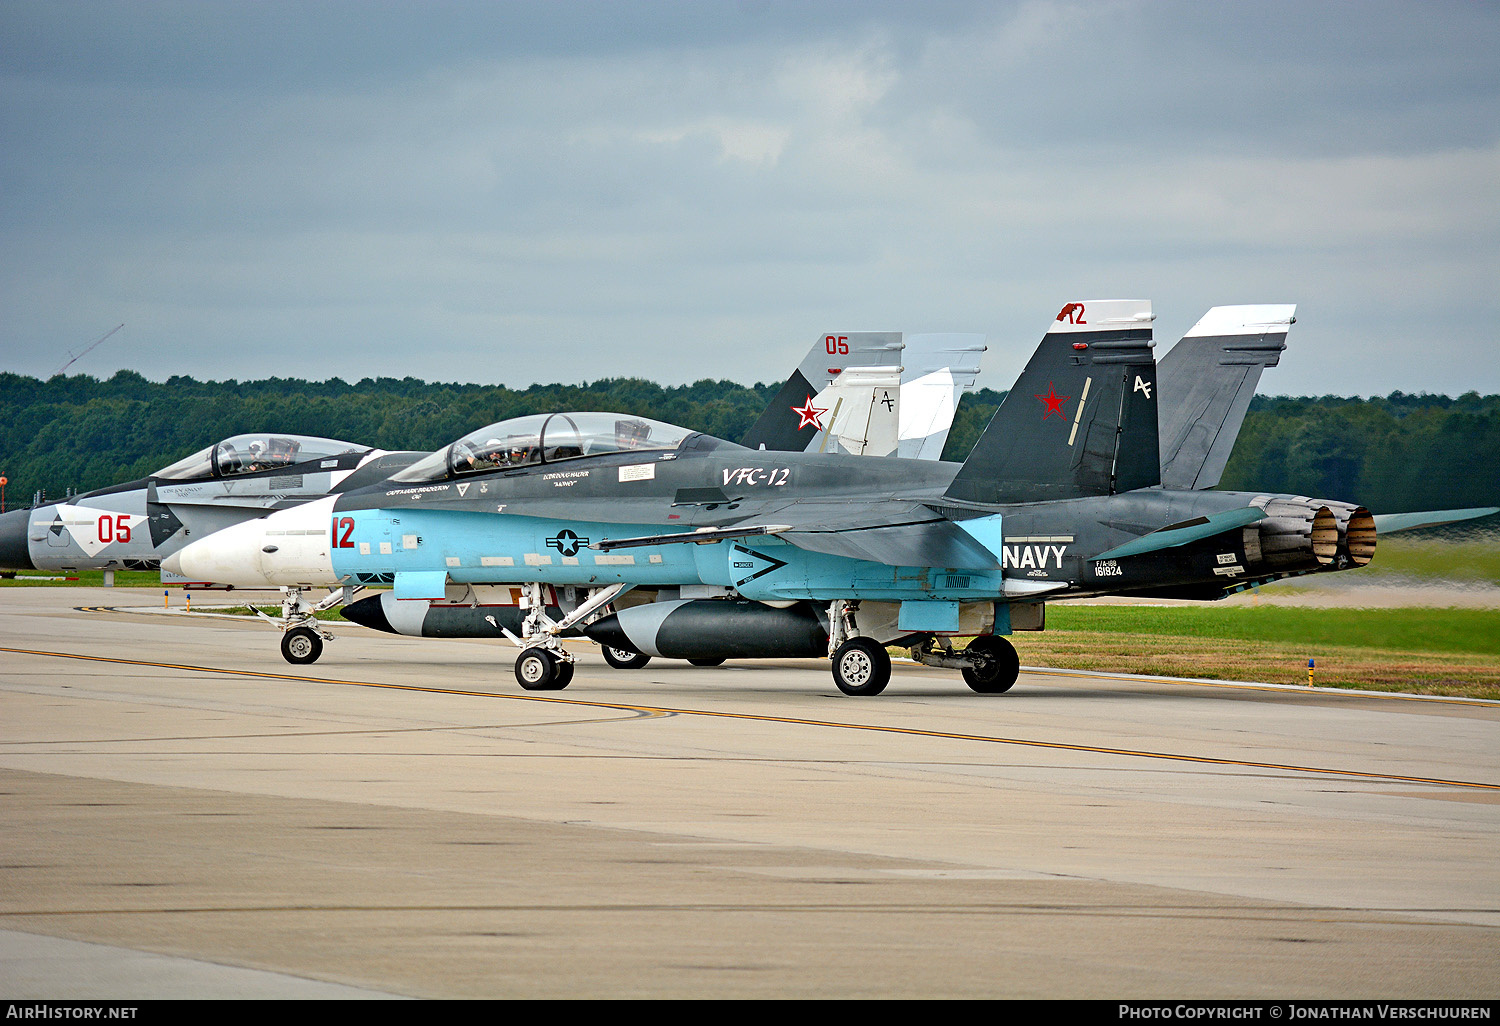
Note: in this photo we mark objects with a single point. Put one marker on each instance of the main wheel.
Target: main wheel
(537, 670)
(708, 662)
(301, 645)
(624, 658)
(998, 665)
(861, 667)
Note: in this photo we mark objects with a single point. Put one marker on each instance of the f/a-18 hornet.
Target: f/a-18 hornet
(134, 524)
(804, 553)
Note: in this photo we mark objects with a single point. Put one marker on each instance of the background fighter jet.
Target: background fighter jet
(132, 526)
(812, 552)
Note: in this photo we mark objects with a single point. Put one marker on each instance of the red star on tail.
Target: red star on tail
(1053, 402)
(810, 414)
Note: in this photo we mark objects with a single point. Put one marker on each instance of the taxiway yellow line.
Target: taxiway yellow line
(763, 718)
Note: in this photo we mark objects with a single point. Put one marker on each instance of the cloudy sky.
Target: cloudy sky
(518, 192)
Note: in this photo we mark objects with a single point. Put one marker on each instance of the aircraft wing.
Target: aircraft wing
(1390, 523)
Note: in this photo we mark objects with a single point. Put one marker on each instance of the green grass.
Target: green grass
(1435, 559)
(272, 611)
(1472, 631)
(82, 579)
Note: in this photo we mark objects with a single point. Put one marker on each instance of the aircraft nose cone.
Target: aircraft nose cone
(230, 556)
(173, 564)
(13, 551)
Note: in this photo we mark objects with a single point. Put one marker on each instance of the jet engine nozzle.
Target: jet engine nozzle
(1297, 534)
(14, 552)
(1356, 534)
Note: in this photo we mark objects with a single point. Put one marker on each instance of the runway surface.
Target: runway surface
(187, 815)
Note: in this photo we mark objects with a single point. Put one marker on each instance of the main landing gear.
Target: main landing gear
(861, 666)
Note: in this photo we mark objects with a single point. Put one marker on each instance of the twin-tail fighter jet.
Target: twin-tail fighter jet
(134, 524)
(1206, 382)
(749, 552)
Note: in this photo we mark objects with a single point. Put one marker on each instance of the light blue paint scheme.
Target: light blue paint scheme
(486, 548)
(928, 616)
(1002, 618)
(986, 531)
(421, 584)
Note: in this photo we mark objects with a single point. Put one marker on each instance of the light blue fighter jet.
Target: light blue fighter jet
(798, 554)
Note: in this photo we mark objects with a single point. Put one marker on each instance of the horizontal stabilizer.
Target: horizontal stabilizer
(1389, 523)
(1186, 532)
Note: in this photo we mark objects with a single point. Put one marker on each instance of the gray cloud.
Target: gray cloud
(539, 192)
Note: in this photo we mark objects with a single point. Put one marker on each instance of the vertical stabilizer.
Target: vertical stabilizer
(1081, 418)
(1207, 382)
(937, 370)
(789, 423)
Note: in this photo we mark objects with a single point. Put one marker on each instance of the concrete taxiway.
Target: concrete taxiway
(187, 815)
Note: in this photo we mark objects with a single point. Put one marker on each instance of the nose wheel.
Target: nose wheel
(301, 645)
(540, 669)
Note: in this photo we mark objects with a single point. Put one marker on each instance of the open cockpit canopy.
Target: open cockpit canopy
(249, 453)
(545, 438)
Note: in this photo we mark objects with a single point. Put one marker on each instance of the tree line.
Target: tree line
(77, 433)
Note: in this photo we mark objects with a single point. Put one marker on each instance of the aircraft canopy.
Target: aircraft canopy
(544, 438)
(248, 453)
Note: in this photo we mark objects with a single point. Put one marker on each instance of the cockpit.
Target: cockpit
(545, 438)
(250, 453)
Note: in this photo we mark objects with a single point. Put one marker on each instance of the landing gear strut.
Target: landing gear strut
(301, 637)
(544, 665)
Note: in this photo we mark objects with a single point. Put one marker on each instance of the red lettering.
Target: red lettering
(106, 530)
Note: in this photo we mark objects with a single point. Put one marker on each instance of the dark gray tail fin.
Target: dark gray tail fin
(1206, 383)
(1081, 418)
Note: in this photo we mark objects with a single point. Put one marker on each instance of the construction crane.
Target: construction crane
(73, 359)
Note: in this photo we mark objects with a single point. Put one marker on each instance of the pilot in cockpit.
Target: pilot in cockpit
(632, 434)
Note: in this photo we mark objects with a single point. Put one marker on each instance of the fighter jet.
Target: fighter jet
(133, 525)
(799, 553)
(1206, 382)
